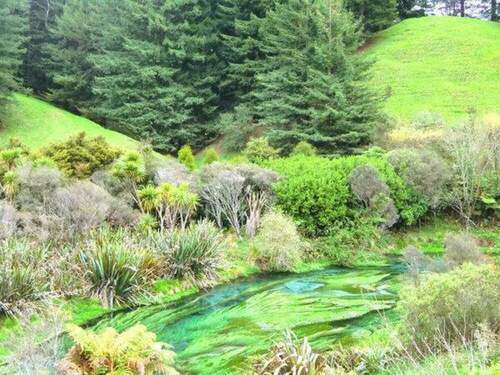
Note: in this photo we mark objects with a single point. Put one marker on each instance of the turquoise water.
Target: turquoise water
(225, 329)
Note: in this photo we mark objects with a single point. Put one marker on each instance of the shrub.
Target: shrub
(134, 351)
(291, 357)
(81, 207)
(36, 186)
(416, 262)
(460, 249)
(315, 191)
(450, 307)
(424, 171)
(28, 352)
(8, 220)
(80, 156)
(278, 245)
(425, 120)
(304, 148)
(186, 157)
(349, 241)
(24, 276)
(211, 155)
(258, 150)
(194, 253)
(236, 194)
(172, 172)
(116, 269)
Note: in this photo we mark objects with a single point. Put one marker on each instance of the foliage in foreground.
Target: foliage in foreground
(24, 276)
(278, 246)
(290, 357)
(134, 351)
(451, 305)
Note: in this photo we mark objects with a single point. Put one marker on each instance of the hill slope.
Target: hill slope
(37, 123)
(438, 64)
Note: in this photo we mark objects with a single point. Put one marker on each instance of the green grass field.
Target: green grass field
(438, 64)
(37, 123)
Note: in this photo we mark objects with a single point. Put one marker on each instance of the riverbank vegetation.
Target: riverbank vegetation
(248, 138)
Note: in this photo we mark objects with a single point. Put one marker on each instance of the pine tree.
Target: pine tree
(375, 15)
(11, 29)
(42, 14)
(310, 85)
(75, 35)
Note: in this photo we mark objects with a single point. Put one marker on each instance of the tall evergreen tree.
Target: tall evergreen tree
(76, 37)
(310, 85)
(11, 29)
(42, 14)
(374, 14)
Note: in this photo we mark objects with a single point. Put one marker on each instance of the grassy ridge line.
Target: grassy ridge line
(439, 64)
(37, 123)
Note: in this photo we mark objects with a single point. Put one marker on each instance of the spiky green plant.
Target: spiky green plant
(292, 357)
(133, 352)
(150, 197)
(118, 271)
(10, 184)
(24, 278)
(193, 253)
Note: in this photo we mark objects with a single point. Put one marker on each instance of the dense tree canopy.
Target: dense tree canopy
(174, 72)
(11, 30)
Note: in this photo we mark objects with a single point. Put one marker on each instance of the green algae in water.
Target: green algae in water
(221, 331)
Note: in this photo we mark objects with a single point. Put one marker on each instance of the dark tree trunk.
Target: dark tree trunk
(493, 10)
(462, 8)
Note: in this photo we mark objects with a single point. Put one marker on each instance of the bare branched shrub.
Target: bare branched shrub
(237, 194)
(424, 171)
(36, 186)
(8, 220)
(366, 184)
(172, 172)
(278, 245)
(416, 262)
(37, 346)
(370, 189)
(81, 207)
(474, 150)
(460, 249)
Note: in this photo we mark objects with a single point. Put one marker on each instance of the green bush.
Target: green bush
(304, 148)
(186, 157)
(258, 150)
(278, 246)
(116, 269)
(450, 307)
(194, 253)
(211, 156)
(80, 156)
(315, 191)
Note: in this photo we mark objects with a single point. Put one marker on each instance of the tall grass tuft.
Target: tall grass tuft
(117, 270)
(194, 253)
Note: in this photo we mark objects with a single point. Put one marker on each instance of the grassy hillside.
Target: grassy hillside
(438, 64)
(37, 123)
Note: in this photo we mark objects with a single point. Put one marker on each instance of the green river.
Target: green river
(223, 330)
